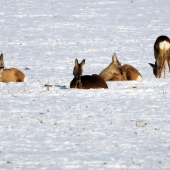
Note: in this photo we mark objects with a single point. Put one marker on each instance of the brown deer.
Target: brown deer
(113, 68)
(87, 81)
(10, 75)
(128, 72)
(162, 56)
(78, 71)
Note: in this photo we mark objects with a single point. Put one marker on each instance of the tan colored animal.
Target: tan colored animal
(10, 75)
(113, 68)
(162, 56)
(128, 73)
(131, 73)
(87, 81)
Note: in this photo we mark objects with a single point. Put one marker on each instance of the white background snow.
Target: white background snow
(124, 127)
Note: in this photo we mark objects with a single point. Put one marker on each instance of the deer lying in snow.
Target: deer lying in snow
(10, 75)
(87, 81)
(113, 68)
(162, 56)
(116, 72)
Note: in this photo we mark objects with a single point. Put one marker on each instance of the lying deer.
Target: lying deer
(87, 81)
(113, 68)
(78, 71)
(162, 56)
(10, 75)
(116, 72)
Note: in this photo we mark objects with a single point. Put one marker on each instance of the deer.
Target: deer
(93, 81)
(125, 73)
(10, 75)
(78, 71)
(113, 68)
(162, 56)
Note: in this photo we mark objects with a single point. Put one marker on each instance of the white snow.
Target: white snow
(124, 127)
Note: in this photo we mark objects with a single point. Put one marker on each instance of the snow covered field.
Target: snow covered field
(124, 127)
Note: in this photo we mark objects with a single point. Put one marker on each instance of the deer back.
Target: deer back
(12, 75)
(131, 73)
(90, 81)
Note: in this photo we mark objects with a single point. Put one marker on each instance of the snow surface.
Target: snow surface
(124, 127)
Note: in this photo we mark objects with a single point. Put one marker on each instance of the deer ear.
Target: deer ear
(1, 56)
(114, 57)
(83, 62)
(76, 62)
(153, 66)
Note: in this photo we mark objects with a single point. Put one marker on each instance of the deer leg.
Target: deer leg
(80, 84)
(76, 82)
(161, 70)
(160, 65)
(165, 64)
(169, 65)
(164, 71)
(168, 60)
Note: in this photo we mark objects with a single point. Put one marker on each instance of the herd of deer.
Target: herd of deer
(114, 72)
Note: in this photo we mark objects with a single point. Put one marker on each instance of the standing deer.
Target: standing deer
(162, 56)
(127, 72)
(10, 75)
(87, 81)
